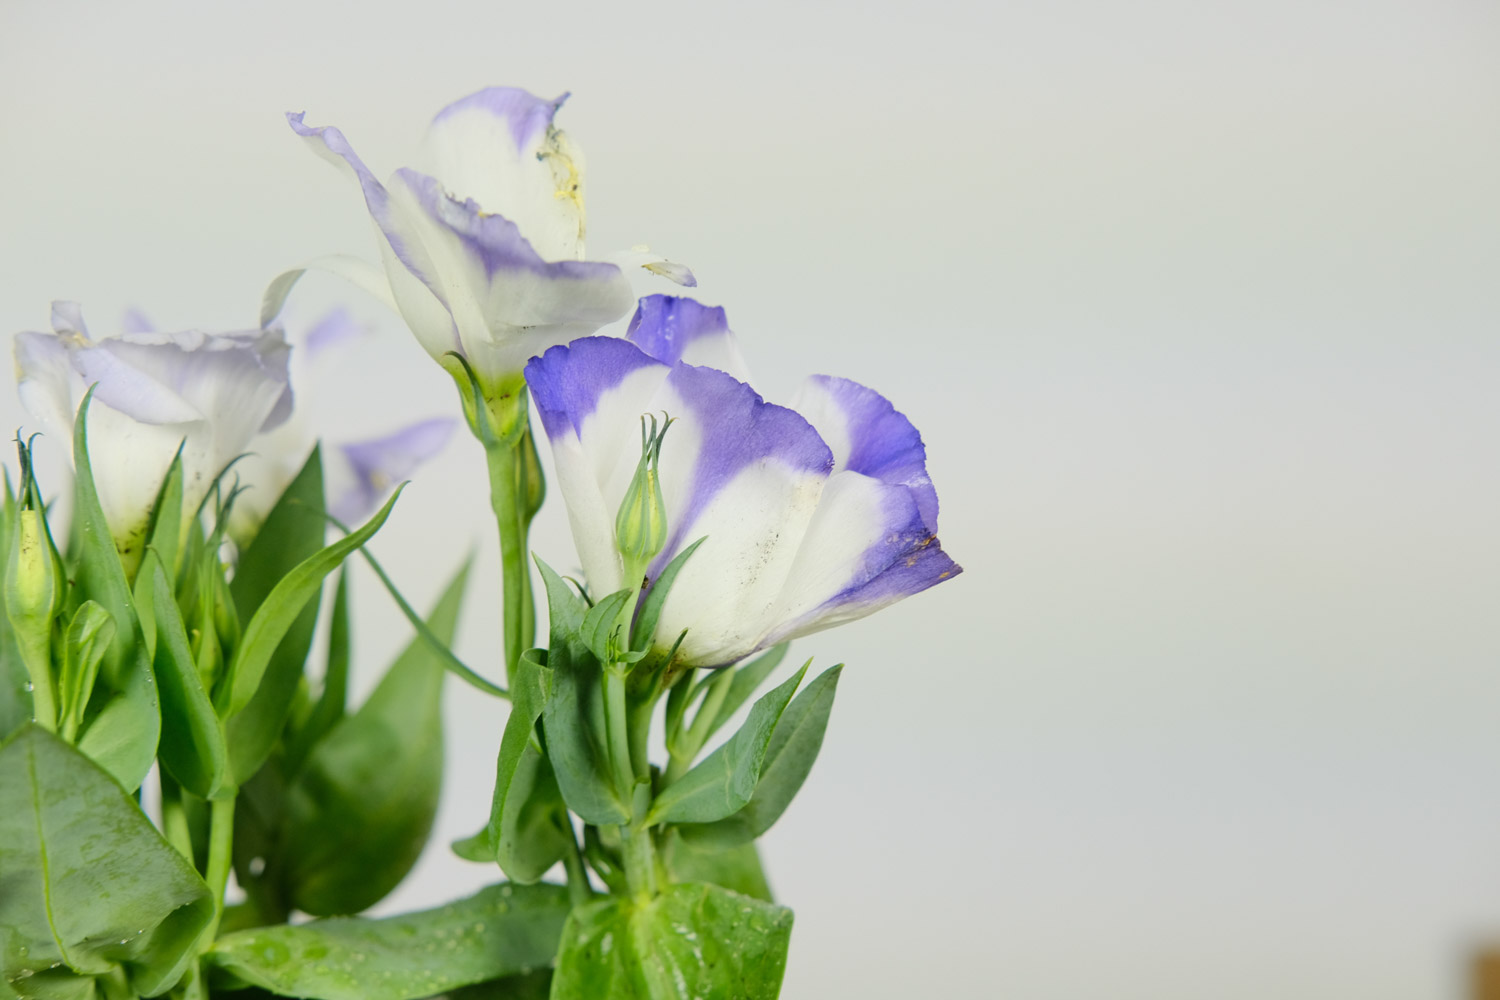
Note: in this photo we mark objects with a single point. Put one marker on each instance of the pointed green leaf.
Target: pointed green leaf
(502, 930)
(650, 613)
(88, 881)
(693, 941)
(193, 749)
(15, 695)
(523, 834)
(332, 701)
(359, 811)
(165, 534)
(121, 733)
(87, 639)
(574, 714)
(723, 782)
(789, 759)
(747, 679)
(255, 729)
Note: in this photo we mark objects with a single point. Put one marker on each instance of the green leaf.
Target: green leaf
(693, 941)
(650, 613)
(736, 868)
(600, 621)
(522, 834)
(747, 679)
(573, 717)
(15, 695)
(165, 535)
(332, 702)
(122, 732)
(502, 930)
(193, 749)
(88, 881)
(360, 809)
(86, 641)
(789, 759)
(261, 721)
(724, 781)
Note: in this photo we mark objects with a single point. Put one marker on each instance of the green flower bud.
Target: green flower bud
(32, 588)
(641, 525)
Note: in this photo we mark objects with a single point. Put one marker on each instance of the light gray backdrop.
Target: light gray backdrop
(1196, 307)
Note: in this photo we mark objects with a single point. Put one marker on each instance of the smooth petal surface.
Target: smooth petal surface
(209, 393)
(799, 535)
(673, 329)
(415, 284)
(499, 148)
(508, 303)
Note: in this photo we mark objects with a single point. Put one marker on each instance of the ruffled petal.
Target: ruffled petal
(509, 303)
(499, 148)
(417, 288)
(869, 436)
(591, 395)
(672, 329)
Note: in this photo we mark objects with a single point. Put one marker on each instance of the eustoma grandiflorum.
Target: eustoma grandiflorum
(136, 638)
(483, 255)
(209, 393)
(733, 526)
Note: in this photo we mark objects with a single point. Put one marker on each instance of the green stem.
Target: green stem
(616, 723)
(220, 855)
(37, 655)
(579, 891)
(640, 860)
(697, 733)
(174, 823)
(515, 581)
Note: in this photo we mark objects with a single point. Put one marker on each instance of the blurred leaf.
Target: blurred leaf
(736, 868)
(693, 941)
(502, 930)
(332, 702)
(359, 810)
(124, 722)
(192, 749)
(789, 759)
(724, 781)
(574, 713)
(88, 881)
(534, 986)
(15, 695)
(747, 679)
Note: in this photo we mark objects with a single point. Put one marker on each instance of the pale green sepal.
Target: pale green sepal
(650, 611)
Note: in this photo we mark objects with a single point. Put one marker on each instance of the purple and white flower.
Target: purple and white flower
(813, 515)
(209, 393)
(483, 245)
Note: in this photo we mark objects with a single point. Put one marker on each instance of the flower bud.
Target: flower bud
(641, 525)
(32, 588)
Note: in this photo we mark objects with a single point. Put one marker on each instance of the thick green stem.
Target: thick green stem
(640, 860)
(220, 855)
(505, 486)
(616, 723)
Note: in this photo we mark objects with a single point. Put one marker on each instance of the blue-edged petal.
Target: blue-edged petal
(416, 287)
(673, 329)
(508, 303)
(499, 147)
(363, 473)
(646, 259)
(869, 436)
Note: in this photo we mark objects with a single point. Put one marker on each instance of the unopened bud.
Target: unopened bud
(32, 586)
(641, 525)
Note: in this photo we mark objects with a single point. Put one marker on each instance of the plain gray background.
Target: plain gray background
(1195, 304)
